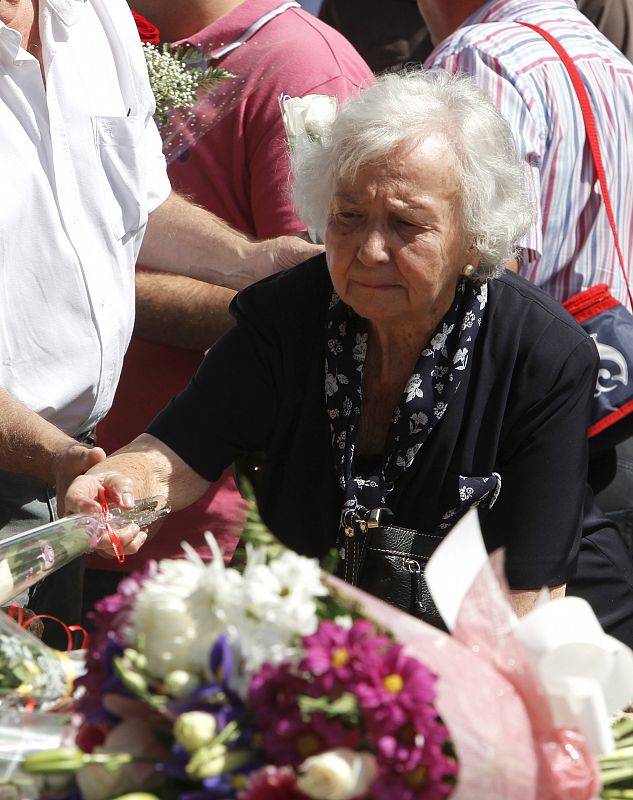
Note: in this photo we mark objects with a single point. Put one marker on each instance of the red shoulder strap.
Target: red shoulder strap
(592, 136)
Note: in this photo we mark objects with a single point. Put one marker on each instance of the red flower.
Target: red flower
(149, 33)
(273, 783)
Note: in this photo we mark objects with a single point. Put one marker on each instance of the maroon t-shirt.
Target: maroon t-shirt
(234, 162)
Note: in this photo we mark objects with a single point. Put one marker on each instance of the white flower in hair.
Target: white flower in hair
(308, 119)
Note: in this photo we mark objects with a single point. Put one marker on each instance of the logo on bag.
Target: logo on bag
(610, 355)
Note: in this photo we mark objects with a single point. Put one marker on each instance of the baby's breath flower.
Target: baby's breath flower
(175, 80)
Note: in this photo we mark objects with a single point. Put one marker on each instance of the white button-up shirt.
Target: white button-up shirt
(81, 168)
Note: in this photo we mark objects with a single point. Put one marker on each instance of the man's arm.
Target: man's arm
(188, 240)
(179, 311)
(29, 445)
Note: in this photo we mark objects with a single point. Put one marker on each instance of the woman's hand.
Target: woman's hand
(84, 496)
(144, 468)
(85, 492)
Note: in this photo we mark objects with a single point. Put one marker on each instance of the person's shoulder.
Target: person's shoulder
(485, 37)
(119, 12)
(288, 299)
(524, 308)
(318, 53)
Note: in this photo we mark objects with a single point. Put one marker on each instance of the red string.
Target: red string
(114, 539)
(16, 613)
(592, 137)
(29, 708)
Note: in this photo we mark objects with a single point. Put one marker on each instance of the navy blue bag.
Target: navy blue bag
(610, 325)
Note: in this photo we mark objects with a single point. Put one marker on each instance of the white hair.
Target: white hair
(405, 108)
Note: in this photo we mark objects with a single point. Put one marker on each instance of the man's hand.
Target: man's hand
(71, 462)
(288, 251)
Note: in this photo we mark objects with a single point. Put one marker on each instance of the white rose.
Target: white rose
(95, 782)
(162, 623)
(319, 115)
(339, 774)
(308, 117)
(160, 619)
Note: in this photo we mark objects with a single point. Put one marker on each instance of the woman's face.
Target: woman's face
(394, 240)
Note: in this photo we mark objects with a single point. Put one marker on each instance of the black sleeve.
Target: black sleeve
(238, 398)
(229, 407)
(543, 467)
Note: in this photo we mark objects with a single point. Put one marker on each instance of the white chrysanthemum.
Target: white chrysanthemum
(216, 601)
(279, 609)
(182, 610)
(263, 611)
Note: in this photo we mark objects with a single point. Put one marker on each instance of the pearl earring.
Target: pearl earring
(469, 270)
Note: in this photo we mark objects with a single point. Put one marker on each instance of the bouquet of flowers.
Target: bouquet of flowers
(176, 74)
(253, 683)
(35, 681)
(273, 680)
(32, 675)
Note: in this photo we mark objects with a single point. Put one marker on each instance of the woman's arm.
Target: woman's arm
(144, 468)
(524, 600)
(543, 465)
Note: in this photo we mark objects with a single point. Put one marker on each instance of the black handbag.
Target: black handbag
(388, 561)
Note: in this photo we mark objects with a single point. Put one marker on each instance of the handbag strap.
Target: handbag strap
(592, 135)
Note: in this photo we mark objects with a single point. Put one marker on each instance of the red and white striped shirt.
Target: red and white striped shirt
(570, 246)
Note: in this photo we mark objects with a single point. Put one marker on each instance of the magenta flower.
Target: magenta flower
(415, 785)
(397, 689)
(415, 763)
(339, 656)
(287, 736)
(273, 691)
(109, 619)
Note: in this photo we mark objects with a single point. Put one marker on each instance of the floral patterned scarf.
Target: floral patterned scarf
(433, 383)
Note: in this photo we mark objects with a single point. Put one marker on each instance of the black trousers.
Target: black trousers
(604, 575)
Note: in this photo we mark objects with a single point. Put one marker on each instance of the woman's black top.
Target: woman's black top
(522, 413)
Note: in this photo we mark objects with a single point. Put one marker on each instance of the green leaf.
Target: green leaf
(623, 727)
(329, 562)
(620, 774)
(255, 531)
(344, 707)
(65, 759)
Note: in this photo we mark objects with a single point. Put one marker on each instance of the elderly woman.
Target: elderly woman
(403, 370)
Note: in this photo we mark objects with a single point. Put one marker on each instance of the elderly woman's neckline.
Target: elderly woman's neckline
(391, 344)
